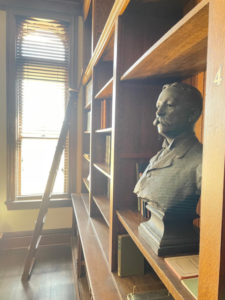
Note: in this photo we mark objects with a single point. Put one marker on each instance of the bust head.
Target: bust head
(179, 106)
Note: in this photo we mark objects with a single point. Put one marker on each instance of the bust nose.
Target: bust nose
(160, 111)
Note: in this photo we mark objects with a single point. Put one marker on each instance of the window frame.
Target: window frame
(33, 202)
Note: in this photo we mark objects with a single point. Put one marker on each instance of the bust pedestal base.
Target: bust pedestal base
(170, 233)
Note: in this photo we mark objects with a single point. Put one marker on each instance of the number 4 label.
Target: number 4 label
(218, 77)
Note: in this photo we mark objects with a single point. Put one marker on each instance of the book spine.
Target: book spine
(119, 255)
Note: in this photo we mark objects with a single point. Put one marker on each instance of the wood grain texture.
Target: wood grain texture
(180, 52)
(86, 7)
(212, 250)
(86, 182)
(101, 280)
(104, 169)
(52, 276)
(131, 219)
(117, 9)
(106, 91)
(100, 13)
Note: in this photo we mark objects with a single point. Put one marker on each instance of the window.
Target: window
(42, 86)
(41, 66)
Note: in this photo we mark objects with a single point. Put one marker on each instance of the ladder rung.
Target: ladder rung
(38, 241)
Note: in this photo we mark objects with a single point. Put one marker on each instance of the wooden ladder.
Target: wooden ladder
(49, 187)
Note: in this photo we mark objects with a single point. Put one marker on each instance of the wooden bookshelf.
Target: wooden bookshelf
(87, 157)
(106, 91)
(131, 219)
(104, 169)
(88, 106)
(117, 9)
(106, 130)
(86, 182)
(133, 50)
(85, 198)
(181, 52)
(103, 204)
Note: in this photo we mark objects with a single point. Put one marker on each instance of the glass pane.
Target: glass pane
(43, 107)
(37, 156)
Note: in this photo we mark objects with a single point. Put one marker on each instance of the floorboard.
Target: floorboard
(52, 276)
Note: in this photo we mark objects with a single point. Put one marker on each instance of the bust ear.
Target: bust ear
(194, 115)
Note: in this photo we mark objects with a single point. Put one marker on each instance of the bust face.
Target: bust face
(172, 113)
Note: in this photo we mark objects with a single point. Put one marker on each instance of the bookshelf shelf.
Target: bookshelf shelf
(117, 9)
(104, 206)
(131, 219)
(100, 277)
(106, 91)
(87, 157)
(87, 132)
(88, 106)
(81, 286)
(106, 130)
(104, 169)
(86, 182)
(182, 51)
(85, 198)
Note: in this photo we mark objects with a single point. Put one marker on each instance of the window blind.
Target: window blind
(42, 84)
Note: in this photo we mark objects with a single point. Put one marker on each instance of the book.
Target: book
(108, 150)
(89, 121)
(184, 266)
(106, 114)
(88, 93)
(191, 285)
(151, 295)
(130, 258)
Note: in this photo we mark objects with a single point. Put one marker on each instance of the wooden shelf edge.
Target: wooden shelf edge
(117, 9)
(104, 169)
(87, 132)
(103, 204)
(131, 73)
(106, 91)
(131, 219)
(86, 182)
(85, 198)
(106, 130)
(88, 106)
(87, 157)
(86, 7)
(101, 280)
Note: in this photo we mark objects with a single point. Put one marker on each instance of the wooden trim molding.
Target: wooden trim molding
(118, 9)
(22, 239)
(36, 204)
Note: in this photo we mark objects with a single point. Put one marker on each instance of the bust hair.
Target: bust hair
(191, 95)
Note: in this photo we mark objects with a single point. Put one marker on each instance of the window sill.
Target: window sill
(36, 204)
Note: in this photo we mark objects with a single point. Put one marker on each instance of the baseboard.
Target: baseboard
(22, 239)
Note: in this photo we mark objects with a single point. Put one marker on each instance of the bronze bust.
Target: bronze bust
(172, 181)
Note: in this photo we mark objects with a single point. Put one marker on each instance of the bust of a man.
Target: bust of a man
(172, 181)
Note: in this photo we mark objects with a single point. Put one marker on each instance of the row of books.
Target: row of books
(106, 114)
(108, 150)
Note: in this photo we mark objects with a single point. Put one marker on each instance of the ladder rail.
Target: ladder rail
(49, 187)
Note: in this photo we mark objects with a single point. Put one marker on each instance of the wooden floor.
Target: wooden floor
(52, 277)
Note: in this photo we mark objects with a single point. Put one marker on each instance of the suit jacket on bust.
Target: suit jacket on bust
(172, 181)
